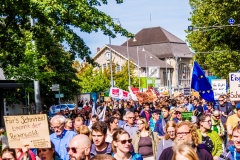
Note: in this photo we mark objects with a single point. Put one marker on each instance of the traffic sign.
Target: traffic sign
(55, 89)
(231, 21)
(55, 85)
(59, 95)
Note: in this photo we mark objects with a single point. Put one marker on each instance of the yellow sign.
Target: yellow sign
(31, 130)
(107, 99)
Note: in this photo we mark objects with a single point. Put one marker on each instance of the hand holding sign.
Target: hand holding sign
(27, 131)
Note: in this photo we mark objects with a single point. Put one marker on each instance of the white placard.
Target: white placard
(218, 87)
(234, 81)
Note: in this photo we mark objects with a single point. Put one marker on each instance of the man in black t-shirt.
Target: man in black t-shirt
(186, 134)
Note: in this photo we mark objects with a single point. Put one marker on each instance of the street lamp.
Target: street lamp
(134, 40)
(129, 80)
(118, 23)
(147, 68)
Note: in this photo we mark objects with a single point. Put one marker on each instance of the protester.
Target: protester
(168, 139)
(69, 124)
(85, 130)
(184, 152)
(146, 112)
(161, 123)
(217, 123)
(187, 134)
(8, 154)
(145, 141)
(61, 137)
(3, 139)
(94, 119)
(210, 108)
(233, 151)
(79, 148)
(233, 121)
(208, 137)
(130, 126)
(224, 108)
(188, 105)
(121, 146)
(47, 153)
(78, 121)
(155, 117)
(137, 116)
(179, 115)
(99, 133)
(112, 123)
(25, 153)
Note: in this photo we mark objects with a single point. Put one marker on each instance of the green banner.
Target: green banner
(187, 116)
(151, 82)
(106, 94)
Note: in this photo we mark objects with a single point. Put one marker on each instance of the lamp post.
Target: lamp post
(129, 80)
(134, 40)
(112, 83)
(36, 82)
(146, 67)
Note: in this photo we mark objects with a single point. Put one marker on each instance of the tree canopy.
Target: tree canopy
(216, 44)
(36, 52)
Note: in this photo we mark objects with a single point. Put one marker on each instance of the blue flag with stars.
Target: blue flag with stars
(201, 84)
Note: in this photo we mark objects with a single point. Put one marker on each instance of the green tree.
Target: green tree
(36, 52)
(121, 78)
(216, 47)
(91, 79)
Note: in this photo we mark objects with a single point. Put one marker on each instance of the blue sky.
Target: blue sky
(134, 15)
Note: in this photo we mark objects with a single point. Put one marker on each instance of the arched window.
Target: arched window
(184, 74)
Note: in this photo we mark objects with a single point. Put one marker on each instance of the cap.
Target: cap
(180, 109)
(238, 106)
(156, 111)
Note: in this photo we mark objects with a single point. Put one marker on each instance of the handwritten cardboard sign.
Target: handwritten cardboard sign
(234, 81)
(29, 130)
(218, 87)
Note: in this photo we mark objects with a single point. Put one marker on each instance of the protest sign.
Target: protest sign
(147, 96)
(187, 116)
(31, 130)
(187, 91)
(133, 92)
(124, 95)
(107, 99)
(114, 92)
(218, 87)
(234, 81)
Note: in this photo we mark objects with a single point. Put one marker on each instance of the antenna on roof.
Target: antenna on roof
(150, 21)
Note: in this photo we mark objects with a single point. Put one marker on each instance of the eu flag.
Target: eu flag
(201, 84)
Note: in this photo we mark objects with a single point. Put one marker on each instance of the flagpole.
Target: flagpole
(191, 77)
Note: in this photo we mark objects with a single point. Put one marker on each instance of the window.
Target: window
(104, 66)
(118, 68)
(184, 75)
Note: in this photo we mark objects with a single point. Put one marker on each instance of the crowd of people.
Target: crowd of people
(149, 131)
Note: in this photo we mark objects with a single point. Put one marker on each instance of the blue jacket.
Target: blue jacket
(230, 154)
(161, 125)
(135, 156)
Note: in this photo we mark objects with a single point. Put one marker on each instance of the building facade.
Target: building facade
(156, 54)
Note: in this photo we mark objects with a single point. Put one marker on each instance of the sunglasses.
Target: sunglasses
(218, 117)
(74, 149)
(177, 113)
(125, 141)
